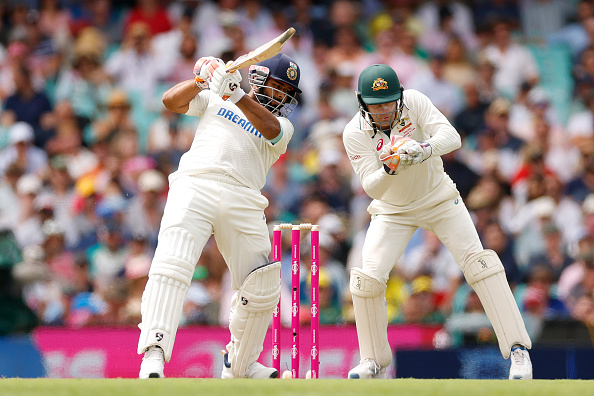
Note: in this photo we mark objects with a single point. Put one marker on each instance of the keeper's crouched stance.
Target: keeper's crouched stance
(394, 144)
(216, 190)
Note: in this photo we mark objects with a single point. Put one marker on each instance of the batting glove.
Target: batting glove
(224, 84)
(201, 71)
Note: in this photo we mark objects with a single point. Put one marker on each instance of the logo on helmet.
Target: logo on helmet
(379, 83)
(292, 71)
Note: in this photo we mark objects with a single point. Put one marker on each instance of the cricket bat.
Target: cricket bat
(263, 52)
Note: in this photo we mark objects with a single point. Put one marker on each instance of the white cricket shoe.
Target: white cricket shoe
(255, 370)
(521, 366)
(153, 363)
(367, 369)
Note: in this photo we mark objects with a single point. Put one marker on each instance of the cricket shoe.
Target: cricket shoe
(521, 366)
(367, 369)
(255, 370)
(153, 363)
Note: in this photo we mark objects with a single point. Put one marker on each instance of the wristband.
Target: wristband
(237, 95)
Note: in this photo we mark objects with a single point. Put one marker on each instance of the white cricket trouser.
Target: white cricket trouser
(235, 214)
(389, 234)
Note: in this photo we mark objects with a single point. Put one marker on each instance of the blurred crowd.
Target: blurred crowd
(86, 148)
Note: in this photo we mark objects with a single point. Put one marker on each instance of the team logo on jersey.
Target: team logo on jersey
(379, 83)
(292, 71)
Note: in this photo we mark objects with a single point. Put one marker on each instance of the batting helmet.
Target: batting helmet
(280, 68)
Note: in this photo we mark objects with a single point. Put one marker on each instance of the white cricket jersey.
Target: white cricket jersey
(227, 144)
(416, 185)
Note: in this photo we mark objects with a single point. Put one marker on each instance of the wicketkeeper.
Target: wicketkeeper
(394, 144)
(216, 190)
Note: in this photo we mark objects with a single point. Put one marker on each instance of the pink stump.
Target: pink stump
(276, 318)
(295, 253)
(315, 308)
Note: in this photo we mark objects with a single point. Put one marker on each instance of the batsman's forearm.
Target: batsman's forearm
(263, 120)
(180, 95)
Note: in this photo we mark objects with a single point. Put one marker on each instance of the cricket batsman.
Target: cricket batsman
(394, 144)
(216, 190)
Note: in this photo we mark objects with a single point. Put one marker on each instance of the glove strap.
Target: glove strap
(427, 150)
(200, 83)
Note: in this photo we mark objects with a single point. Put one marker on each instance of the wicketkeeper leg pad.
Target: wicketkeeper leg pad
(252, 308)
(371, 316)
(169, 279)
(485, 273)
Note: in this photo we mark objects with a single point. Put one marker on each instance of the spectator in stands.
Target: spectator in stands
(135, 67)
(107, 259)
(457, 68)
(60, 261)
(581, 124)
(470, 120)
(588, 211)
(555, 257)
(29, 158)
(538, 300)
(116, 121)
(486, 79)
(85, 85)
(9, 200)
(29, 105)
(468, 324)
(421, 306)
(583, 184)
(454, 17)
(541, 18)
(408, 61)
(329, 303)
(513, 61)
(151, 13)
(494, 238)
(497, 142)
(433, 259)
(199, 306)
(446, 96)
(27, 229)
(577, 33)
(145, 210)
(574, 273)
(136, 266)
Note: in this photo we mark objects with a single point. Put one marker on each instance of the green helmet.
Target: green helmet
(379, 84)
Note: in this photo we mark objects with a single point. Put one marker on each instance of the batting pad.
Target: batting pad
(371, 316)
(169, 279)
(485, 273)
(251, 314)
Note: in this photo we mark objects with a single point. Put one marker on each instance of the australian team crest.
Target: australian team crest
(379, 83)
(292, 71)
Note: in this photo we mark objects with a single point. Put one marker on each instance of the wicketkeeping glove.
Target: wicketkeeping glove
(394, 163)
(201, 71)
(416, 151)
(224, 84)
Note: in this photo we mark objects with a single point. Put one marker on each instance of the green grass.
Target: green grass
(179, 386)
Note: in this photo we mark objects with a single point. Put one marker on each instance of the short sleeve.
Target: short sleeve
(287, 129)
(198, 105)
